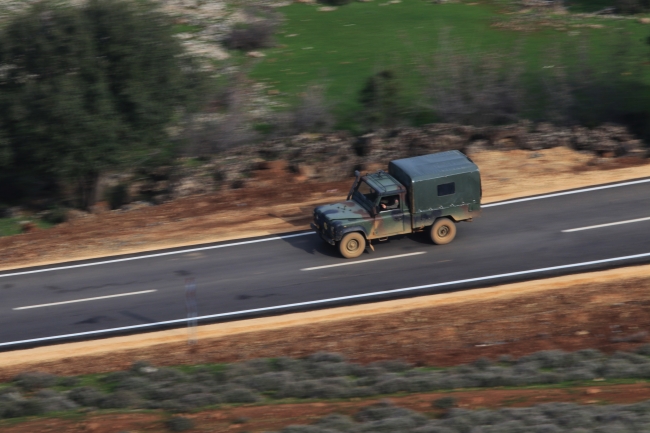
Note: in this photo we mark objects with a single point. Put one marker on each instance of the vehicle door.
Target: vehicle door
(390, 218)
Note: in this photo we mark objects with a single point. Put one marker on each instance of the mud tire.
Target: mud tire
(443, 231)
(352, 245)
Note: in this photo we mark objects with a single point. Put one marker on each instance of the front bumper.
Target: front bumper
(322, 234)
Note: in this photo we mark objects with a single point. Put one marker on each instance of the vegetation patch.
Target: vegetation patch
(322, 376)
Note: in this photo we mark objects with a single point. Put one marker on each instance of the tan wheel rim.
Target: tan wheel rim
(443, 231)
(352, 245)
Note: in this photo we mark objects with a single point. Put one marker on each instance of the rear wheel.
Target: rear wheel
(352, 245)
(443, 231)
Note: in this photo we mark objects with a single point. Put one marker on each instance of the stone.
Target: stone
(255, 54)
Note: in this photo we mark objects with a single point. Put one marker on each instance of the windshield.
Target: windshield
(365, 195)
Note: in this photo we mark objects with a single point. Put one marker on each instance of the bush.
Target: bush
(632, 6)
(326, 357)
(57, 403)
(195, 401)
(56, 215)
(138, 385)
(444, 403)
(168, 374)
(272, 381)
(336, 422)
(69, 381)
(119, 400)
(256, 33)
(240, 395)
(392, 386)
(382, 410)
(179, 423)
(18, 409)
(314, 389)
(335, 2)
(31, 381)
(86, 396)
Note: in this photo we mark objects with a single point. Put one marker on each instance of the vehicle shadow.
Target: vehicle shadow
(313, 245)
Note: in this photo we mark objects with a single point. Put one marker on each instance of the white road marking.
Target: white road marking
(558, 194)
(85, 300)
(363, 261)
(324, 301)
(275, 238)
(606, 225)
(149, 256)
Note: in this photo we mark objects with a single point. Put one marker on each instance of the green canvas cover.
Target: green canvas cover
(427, 176)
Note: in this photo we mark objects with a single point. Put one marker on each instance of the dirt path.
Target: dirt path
(260, 418)
(571, 312)
(283, 203)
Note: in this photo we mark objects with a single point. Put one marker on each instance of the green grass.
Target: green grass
(11, 226)
(343, 48)
(186, 28)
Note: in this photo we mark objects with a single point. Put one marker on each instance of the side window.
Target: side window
(389, 203)
(447, 189)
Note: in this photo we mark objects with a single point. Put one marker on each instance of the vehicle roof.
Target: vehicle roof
(435, 165)
(383, 182)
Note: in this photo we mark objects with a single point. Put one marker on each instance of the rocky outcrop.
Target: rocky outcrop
(335, 156)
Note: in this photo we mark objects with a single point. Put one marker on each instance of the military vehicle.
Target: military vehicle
(425, 193)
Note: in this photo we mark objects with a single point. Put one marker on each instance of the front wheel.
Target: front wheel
(443, 231)
(352, 245)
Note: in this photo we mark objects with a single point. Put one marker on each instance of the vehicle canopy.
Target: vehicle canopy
(439, 181)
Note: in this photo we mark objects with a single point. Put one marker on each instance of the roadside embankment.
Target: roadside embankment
(606, 310)
(278, 202)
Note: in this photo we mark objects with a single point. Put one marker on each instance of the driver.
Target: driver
(388, 203)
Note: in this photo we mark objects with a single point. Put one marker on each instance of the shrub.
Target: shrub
(482, 363)
(326, 357)
(272, 381)
(179, 423)
(195, 401)
(421, 384)
(632, 6)
(168, 374)
(119, 400)
(115, 377)
(240, 395)
(31, 381)
(392, 386)
(313, 389)
(335, 2)
(327, 369)
(256, 33)
(172, 392)
(86, 396)
(69, 381)
(57, 403)
(336, 422)
(56, 215)
(139, 385)
(444, 403)
(382, 410)
(17, 409)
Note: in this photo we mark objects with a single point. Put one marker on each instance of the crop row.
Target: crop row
(319, 376)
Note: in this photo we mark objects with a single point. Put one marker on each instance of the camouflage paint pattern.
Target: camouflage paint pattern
(333, 221)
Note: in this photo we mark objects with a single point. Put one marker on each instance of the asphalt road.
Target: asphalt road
(512, 241)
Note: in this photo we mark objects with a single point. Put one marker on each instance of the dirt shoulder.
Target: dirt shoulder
(280, 202)
(607, 310)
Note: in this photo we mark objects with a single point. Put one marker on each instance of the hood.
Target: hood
(345, 210)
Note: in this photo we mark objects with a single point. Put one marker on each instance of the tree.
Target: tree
(380, 98)
(87, 89)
